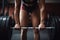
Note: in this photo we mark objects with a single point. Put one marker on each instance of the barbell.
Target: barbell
(33, 28)
(8, 22)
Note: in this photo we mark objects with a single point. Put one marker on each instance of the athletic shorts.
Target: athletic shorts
(30, 8)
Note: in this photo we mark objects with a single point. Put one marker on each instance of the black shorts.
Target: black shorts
(30, 8)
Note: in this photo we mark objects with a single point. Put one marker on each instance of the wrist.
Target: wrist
(17, 23)
(42, 22)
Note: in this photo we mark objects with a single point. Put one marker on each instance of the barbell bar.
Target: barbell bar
(33, 28)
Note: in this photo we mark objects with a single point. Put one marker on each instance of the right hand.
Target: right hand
(17, 26)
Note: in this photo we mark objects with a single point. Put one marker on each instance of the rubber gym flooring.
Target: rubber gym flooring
(44, 35)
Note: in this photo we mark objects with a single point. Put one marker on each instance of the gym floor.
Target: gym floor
(44, 35)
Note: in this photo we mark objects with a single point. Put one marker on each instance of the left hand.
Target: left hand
(41, 25)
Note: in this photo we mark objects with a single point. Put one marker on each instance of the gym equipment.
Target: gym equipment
(52, 28)
(5, 23)
(31, 28)
(5, 20)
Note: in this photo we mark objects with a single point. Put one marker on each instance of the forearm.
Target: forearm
(17, 10)
(43, 14)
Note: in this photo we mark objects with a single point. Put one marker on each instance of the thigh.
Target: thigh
(24, 19)
(35, 17)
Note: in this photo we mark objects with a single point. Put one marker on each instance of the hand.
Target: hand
(42, 26)
(17, 26)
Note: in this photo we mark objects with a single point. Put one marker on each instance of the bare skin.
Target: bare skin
(6, 10)
(38, 18)
(43, 14)
(16, 13)
(35, 22)
(24, 20)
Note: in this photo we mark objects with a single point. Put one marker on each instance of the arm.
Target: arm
(43, 14)
(17, 10)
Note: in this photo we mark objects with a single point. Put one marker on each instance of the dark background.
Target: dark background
(52, 6)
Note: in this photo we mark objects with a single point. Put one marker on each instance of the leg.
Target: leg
(35, 22)
(24, 34)
(24, 23)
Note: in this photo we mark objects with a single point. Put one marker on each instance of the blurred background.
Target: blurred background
(52, 6)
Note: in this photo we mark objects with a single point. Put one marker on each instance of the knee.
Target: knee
(36, 31)
(24, 24)
(24, 31)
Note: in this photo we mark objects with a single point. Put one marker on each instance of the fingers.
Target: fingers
(41, 26)
(17, 26)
